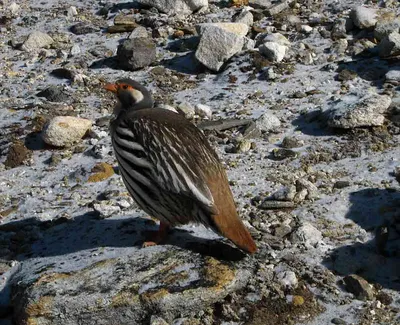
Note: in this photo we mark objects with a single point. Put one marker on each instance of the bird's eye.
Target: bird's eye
(125, 86)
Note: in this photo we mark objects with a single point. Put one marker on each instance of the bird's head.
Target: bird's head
(131, 95)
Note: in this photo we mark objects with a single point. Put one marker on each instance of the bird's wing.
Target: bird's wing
(161, 156)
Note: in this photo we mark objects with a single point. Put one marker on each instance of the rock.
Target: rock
(54, 94)
(36, 40)
(358, 286)
(282, 231)
(312, 190)
(274, 37)
(385, 298)
(338, 321)
(63, 131)
(139, 32)
(272, 204)
(219, 42)
(384, 27)
(242, 146)
(291, 142)
(306, 234)
(18, 154)
(14, 8)
(393, 76)
(238, 29)
(341, 27)
(278, 8)
(389, 45)
(351, 111)
(273, 51)
(287, 279)
(122, 19)
(346, 75)
(187, 109)
(155, 320)
(122, 290)
(83, 28)
(341, 184)
(120, 29)
(100, 151)
(249, 44)
(268, 122)
(136, 53)
(363, 17)
(244, 17)
(306, 29)
(203, 110)
(106, 208)
(281, 154)
(339, 47)
(75, 50)
(260, 4)
(101, 171)
(224, 124)
(72, 12)
(287, 193)
(269, 74)
(176, 6)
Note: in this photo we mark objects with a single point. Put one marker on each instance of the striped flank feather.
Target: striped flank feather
(160, 171)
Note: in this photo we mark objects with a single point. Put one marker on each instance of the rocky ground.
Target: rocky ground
(299, 98)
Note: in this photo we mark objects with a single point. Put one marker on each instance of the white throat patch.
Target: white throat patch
(137, 95)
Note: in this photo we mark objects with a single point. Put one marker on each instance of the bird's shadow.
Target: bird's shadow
(377, 260)
(87, 232)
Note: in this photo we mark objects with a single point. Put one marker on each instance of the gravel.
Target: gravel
(310, 145)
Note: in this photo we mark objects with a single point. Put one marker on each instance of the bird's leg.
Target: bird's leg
(156, 237)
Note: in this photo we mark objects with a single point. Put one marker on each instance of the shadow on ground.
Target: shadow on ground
(377, 211)
(86, 232)
(313, 123)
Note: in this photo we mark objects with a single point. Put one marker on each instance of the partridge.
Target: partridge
(170, 169)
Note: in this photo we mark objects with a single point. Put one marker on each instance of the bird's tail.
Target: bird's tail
(233, 228)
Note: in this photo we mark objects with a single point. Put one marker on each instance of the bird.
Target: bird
(170, 169)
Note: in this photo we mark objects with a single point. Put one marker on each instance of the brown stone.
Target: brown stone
(18, 155)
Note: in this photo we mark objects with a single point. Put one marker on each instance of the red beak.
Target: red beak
(111, 87)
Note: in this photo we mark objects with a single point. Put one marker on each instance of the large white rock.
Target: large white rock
(363, 17)
(176, 6)
(219, 42)
(274, 52)
(240, 29)
(36, 40)
(352, 111)
(63, 131)
(274, 37)
(307, 234)
(268, 122)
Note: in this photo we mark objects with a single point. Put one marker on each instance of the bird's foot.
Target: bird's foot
(154, 238)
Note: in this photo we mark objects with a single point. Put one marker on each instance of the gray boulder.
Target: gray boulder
(219, 42)
(136, 53)
(36, 40)
(167, 282)
(351, 111)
